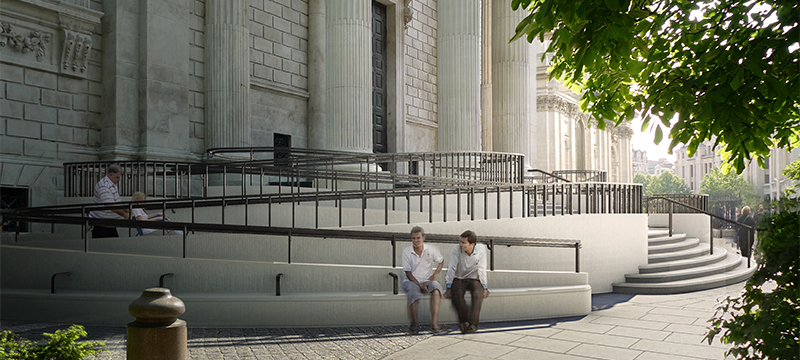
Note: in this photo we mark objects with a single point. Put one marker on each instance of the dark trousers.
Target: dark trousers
(104, 232)
(471, 313)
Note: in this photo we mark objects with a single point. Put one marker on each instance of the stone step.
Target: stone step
(657, 232)
(660, 240)
(290, 309)
(740, 273)
(671, 247)
(719, 255)
(694, 252)
(730, 262)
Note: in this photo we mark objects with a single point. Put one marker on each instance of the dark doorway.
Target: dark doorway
(379, 59)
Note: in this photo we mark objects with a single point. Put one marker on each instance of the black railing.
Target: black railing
(674, 203)
(658, 204)
(491, 242)
(583, 175)
(536, 176)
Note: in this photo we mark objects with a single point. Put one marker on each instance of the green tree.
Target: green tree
(664, 183)
(643, 179)
(724, 68)
(731, 186)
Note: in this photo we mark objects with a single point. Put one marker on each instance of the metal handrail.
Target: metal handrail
(697, 200)
(569, 198)
(711, 217)
(546, 177)
(584, 175)
(174, 179)
(384, 236)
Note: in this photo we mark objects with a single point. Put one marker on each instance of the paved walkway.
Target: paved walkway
(642, 327)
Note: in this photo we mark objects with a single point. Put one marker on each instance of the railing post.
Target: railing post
(711, 235)
(670, 219)
(491, 254)
(278, 284)
(394, 251)
(394, 283)
(577, 257)
(53, 280)
(161, 279)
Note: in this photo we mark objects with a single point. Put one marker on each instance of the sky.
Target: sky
(644, 141)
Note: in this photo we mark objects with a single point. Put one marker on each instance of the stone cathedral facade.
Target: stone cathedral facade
(91, 80)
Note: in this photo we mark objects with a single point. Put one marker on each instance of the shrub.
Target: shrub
(764, 320)
(60, 345)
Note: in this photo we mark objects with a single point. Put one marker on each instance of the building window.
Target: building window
(13, 198)
(691, 170)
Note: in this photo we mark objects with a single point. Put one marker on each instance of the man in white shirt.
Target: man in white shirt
(107, 191)
(418, 263)
(466, 271)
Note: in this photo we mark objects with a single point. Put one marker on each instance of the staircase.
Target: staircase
(679, 264)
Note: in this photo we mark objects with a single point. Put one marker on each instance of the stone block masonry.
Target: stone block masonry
(279, 43)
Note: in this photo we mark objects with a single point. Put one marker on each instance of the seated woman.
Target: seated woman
(140, 214)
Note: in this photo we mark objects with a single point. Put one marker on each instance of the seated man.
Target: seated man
(418, 261)
(466, 271)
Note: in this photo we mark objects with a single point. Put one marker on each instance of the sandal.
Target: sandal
(413, 330)
(438, 330)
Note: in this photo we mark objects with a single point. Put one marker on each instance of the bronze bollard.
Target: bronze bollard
(157, 332)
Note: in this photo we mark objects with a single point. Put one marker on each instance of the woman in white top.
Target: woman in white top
(140, 214)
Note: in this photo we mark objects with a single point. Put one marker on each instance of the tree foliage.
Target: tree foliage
(731, 186)
(724, 68)
(763, 322)
(664, 183)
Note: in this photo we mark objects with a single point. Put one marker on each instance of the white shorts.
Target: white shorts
(413, 292)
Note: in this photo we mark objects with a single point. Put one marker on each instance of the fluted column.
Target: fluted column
(459, 60)
(511, 90)
(317, 128)
(227, 73)
(486, 75)
(348, 94)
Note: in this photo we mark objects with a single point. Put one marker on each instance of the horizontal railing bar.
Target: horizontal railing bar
(285, 231)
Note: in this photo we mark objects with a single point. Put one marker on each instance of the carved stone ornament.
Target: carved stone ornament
(75, 57)
(408, 13)
(35, 42)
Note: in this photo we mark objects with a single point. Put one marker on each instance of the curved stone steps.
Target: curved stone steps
(740, 273)
(662, 240)
(677, 264)
(685, 244)
(719, 255)
(678, 255)
(730, 262)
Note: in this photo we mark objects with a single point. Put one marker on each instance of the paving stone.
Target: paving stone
(639, 333)
(604, 352)
(697, 351)
(601, 339)
(545, 344)
(526, 354)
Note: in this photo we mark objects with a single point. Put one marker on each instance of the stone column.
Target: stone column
(227, 73)
(348, 94)
(459, 60)
(486, 75)
(511, 90)
(316, 74)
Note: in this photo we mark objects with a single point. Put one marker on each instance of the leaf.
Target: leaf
(736, 81)
(658, 136)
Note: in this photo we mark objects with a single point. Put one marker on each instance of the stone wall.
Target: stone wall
(50, 92)
(279, 70)
(421, 81)
(197, 75)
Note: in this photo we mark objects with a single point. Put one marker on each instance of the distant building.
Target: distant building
(770, 181)
(693, 169)
(640, 162)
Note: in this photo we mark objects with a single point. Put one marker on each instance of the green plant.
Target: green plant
(60, 345)
(764, 320)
